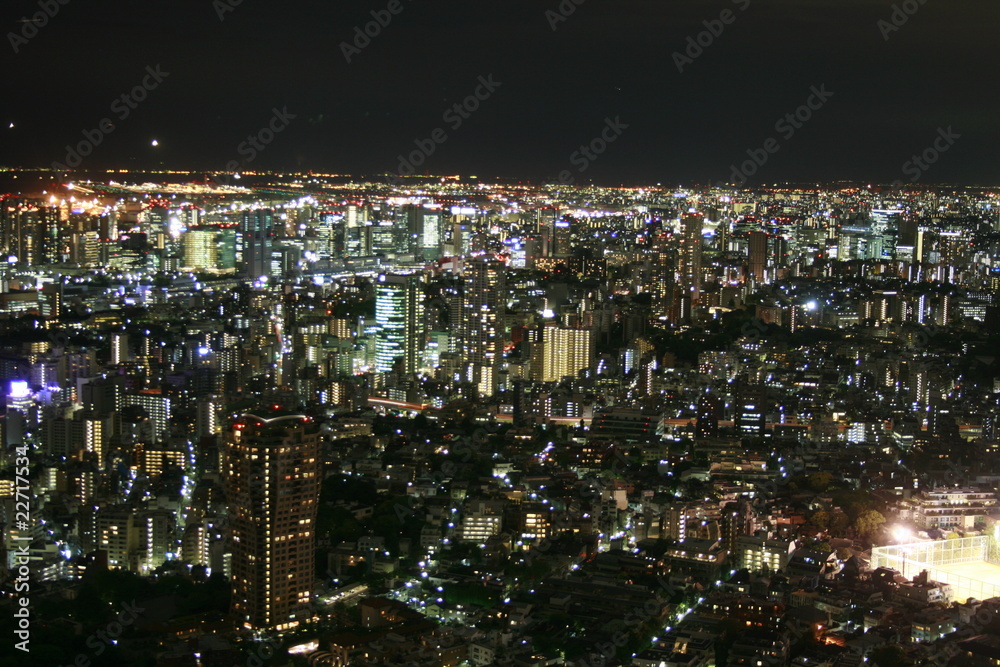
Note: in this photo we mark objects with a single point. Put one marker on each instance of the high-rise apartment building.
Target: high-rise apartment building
(120, 352)
(483, 310)
(271, 472)
(157, 407)
(116, 534)
(691, 247)
(566, 352)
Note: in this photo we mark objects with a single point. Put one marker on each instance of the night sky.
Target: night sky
(608, 59)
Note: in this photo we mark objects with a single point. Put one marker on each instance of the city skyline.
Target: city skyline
(521, 333)
(353, 422)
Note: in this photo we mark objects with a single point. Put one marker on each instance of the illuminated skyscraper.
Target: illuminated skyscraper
(271, 472)
(906, 244)
(157, 407)
(119, 348)
(97, 431)
(117, 533)
(482, 321)
(201, 249)
(354, 233)
(566, 352)
(424, 225)
(751, 409)
(562, 234)
(399, 315)
(10, 214)
(157, 540)
(884, 234)
(256, 235)
(18, 228)
(430, 236)
(19, 397)
(48, 246)
(22, 412)
(662, 274)
(691, 242)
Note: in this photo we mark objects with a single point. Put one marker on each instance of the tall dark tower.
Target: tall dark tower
(709, 411)
(271, 469)
(663, 263)
(256, 235)
(562, 237)
(519, 401)
(9, 226)
(691, 242)
(758, 256)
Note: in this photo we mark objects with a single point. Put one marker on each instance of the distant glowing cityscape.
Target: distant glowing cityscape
(308, 419)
